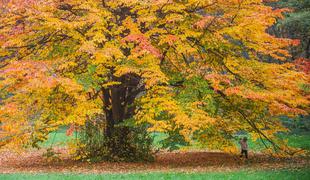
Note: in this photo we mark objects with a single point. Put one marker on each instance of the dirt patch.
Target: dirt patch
(190, 161)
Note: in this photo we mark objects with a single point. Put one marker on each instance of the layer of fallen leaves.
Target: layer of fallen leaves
(189, 161)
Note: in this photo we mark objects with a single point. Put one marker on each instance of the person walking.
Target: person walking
(244, 147)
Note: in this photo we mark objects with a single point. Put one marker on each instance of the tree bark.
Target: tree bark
(118, 106)
(108, 112)
(308, 49)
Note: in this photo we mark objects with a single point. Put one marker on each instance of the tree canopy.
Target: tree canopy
(190, 68)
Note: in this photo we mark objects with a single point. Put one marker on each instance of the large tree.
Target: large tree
(189, 68)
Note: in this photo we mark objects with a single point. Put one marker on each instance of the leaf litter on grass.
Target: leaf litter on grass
(179, 161)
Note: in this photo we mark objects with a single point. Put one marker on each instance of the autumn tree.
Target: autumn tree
(295, 25)
(191, 69)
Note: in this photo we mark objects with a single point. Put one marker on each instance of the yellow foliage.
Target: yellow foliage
(61, 56)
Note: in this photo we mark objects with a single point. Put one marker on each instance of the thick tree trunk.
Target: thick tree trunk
(118, 106)
(106, 137)
(108, 113)
(308, 49)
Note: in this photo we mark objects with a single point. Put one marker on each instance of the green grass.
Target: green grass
(303, 174)
(299, 140)
(59, 138)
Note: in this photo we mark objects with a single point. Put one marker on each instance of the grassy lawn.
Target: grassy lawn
(303, 174)
(299, 140)
(59, 138)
